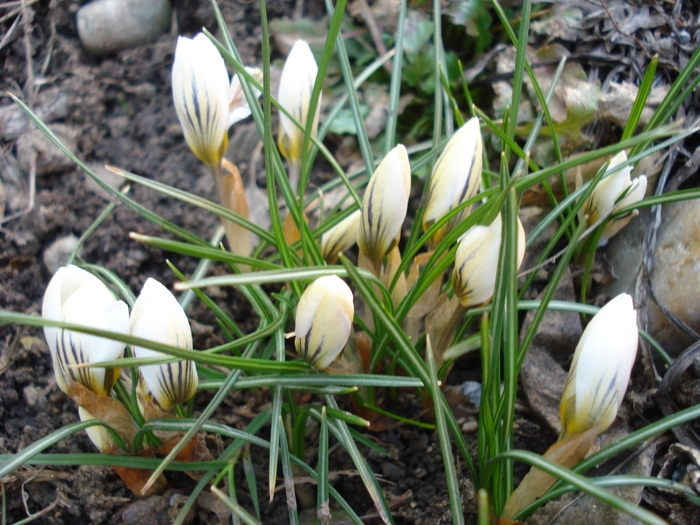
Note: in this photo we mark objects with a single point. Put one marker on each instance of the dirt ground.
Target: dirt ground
(118, 110)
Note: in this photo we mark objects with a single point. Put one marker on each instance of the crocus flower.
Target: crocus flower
(614, 192)
(76, 296)
(238, 105)
(340, 237)
(98, 434)
(455, 178)
(476, 262)
(201, 95)
(296, 86)
(384, 205)
(158, 316)
(323, 320)
(600, 369)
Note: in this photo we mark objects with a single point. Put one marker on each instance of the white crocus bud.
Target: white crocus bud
(340, 237)
(238, 105)
(476, 262)
(600, 369)
(158, 316)
(456, 177)
(614, 192)
(384, 205)
(76, 296)
(98, 434)
(296, 86)
(323, 320)
(201, 95)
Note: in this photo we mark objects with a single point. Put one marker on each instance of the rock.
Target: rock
(34, 398)
(57, 254)
(36, 147)
(149, 511)
(675, 278)
(52, 104)
(106, 26)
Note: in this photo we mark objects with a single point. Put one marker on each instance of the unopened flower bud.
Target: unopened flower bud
(340, 237)
(296, 87)
(201, 95)
(323, 320)
(614, 192)
(158, 316)
(238, 105)
(98, 434)
(384, 205)
(456, 177)
(476, 262)
(600, 369)
(76, 296)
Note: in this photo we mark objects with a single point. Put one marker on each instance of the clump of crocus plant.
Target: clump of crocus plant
(595, 387)
(207, 105)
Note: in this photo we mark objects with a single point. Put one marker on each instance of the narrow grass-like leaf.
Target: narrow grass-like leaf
(287, 473)
(235, 508)
(614, 482)
(641, 99)
(323, 511)
(448, 460)
(580, 483)
(202, 252)
(342, 434)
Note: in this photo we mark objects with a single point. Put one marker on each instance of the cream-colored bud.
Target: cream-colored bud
(476, 262)
(600, 369)
(201, 95)
(340, 237)
(296, 85)
(76, 296)
(98, 434)
(384, 205)
(455, 179)
(614, 192)
(238, 105)
(323, 320)
(158, 316)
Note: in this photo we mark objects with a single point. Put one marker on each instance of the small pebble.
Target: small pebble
(57, 254)
(36, 147)
(34, 398)
(105, 26)
(470, 426)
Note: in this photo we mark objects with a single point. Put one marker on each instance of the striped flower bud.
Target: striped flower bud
(76, 296)
(384, 205)
(323, 320)
(600, 369)
(476, 262)
(455, 178)
(614, 192)
(296, 86)
(201, 95)
(340, 237)
(238, 105)
(158, 316)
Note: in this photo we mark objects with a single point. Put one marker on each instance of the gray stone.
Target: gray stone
(675, 278)
(106, 26)
(36, 151)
